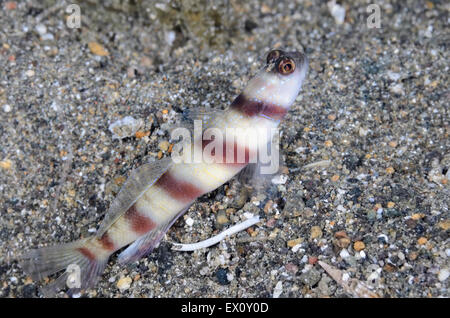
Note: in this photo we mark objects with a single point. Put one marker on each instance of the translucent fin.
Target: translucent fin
(187, 118)
(81, 271)
(146, 243)
(255, 182)
(139, 181)
(206, 116)
(253, 176)
(249, 174)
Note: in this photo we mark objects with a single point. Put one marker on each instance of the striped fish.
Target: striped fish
(156, 194)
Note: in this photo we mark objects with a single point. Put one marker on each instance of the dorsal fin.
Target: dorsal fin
(138, 182)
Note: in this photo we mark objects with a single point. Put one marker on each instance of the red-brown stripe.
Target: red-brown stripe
(106, 242)
(86, 252)
(178, 189)
(252, 108)
(140, 224)
(274, 111)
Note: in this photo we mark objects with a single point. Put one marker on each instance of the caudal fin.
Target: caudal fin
(81, 266)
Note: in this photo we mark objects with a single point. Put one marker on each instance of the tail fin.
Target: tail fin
(82, 267)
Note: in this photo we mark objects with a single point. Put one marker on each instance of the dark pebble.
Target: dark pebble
(105, 156)
(410, 223)
(310, 203)
(419, 229)
(249, 25)
(221, 275)
(392, 213)
(29, 291)
(352, 162)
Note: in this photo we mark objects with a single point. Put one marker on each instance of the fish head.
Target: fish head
(280, 80)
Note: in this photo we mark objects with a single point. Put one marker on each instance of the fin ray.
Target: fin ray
(40, 263)
(138, 182)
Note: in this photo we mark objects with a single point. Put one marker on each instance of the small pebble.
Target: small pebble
(265, 9)
(221, 275)
(280, 179)
(390, 204)
(248, 215)
(413, 256)
(343, 242)
(271, 222)
(10, 5)
(124, 283)
(328, 143)
(268, 206)
(189, 221)
(332, 117)
(422, 241)
(316, 232)
(6, 164)
(221, 218)
(417, 216)
(126, 127)
(48, 37)
(310, 277)
(312, 260)
(390, 170)
(292, 268)
(340, 234)
(344, 253)
(444, 225)
(359, 245)
(294, 242)
(141, 134)
(382, 238)
(278, 290)
(97, 49)
(393, 76)
(41, 29)
(337, 11)
(397, 89)
(393, 144)
(6, 108)
(363, 131)
(443, 274)
(345, 277)
(170, 37)
(164, 145)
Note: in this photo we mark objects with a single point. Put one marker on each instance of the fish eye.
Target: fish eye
(286, 66)
(273, 56)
